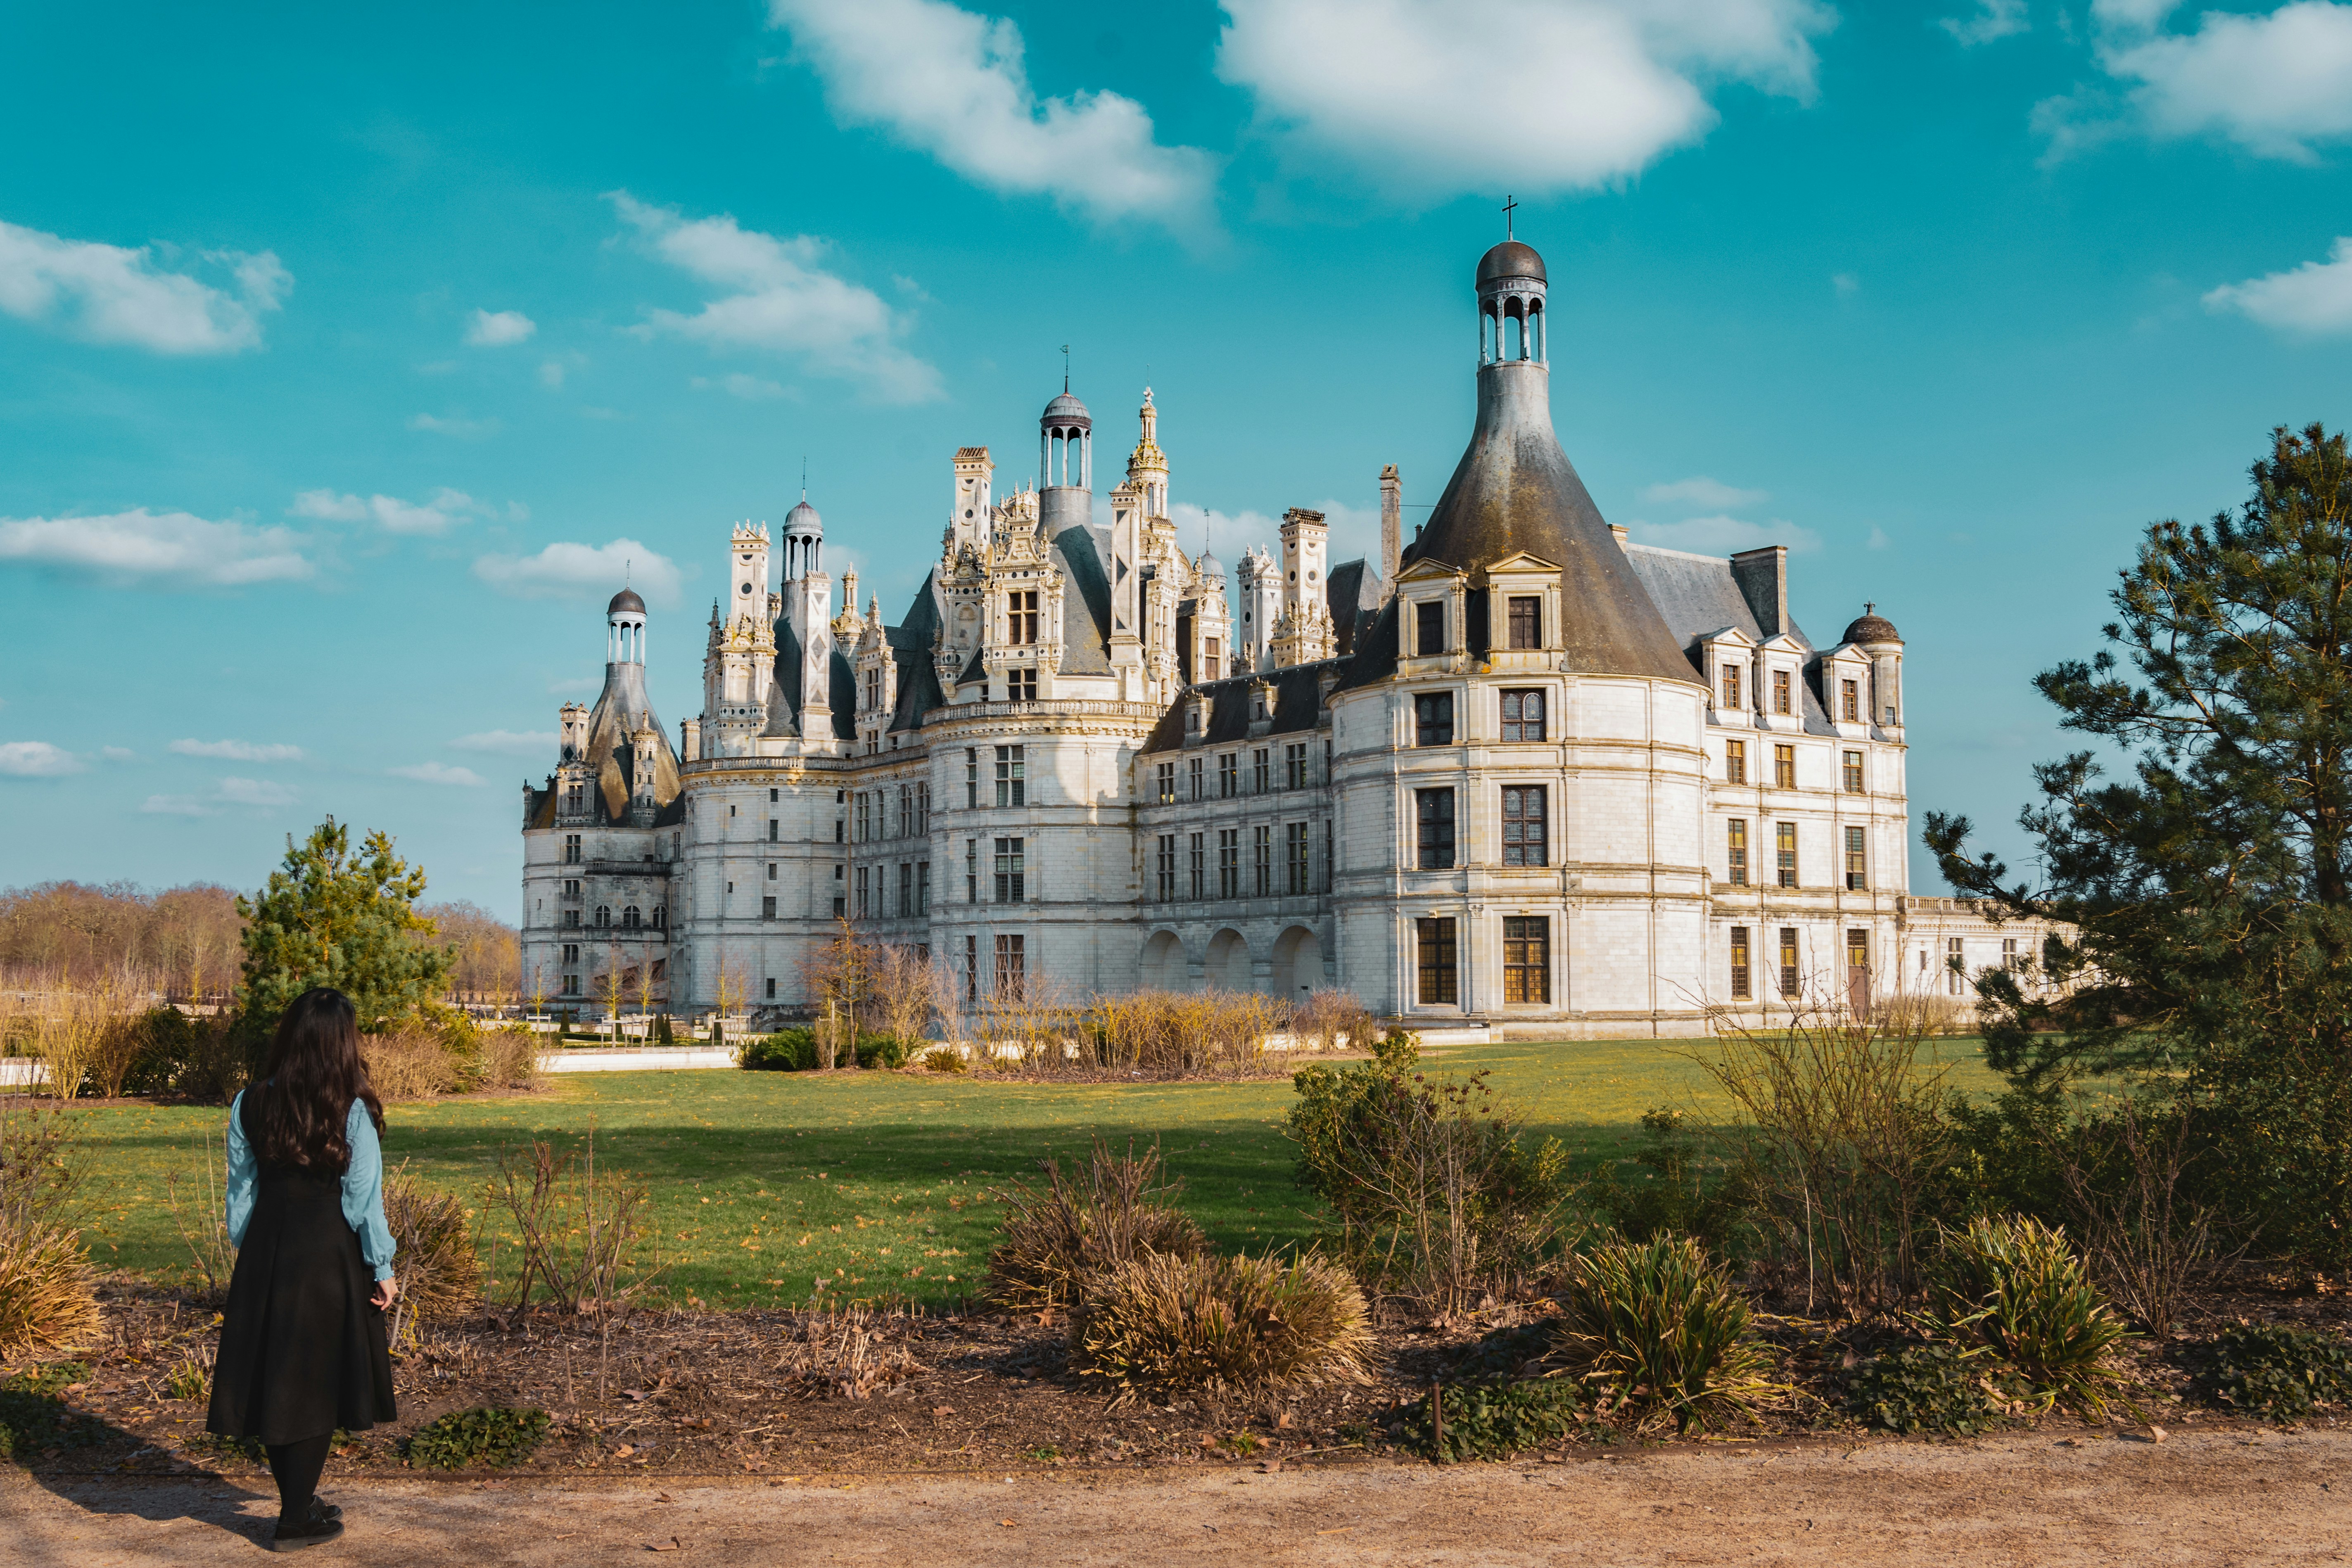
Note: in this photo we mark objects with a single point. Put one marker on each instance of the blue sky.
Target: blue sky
(344, 356)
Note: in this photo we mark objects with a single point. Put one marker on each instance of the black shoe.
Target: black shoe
(321, 1508)
(316, 1530)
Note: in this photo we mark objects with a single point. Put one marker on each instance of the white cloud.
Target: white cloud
(1700, 490)
(1722, 535)
(751, 388)
(437, 774)
(36, 760)
(785, 301)
(178, 805)
(106, 294)
(260, 794)
(264, 793)
(496, 329)
(169, 549)
(238, 751)
(508, 742)
(1878, 540)
(2274, 82)
(446, 507)
(566, 570)
(118, 753)
(1431, 98)
(550, 375)
(453, 425)
(953, 84)
(1847, 284)
(2316, 297)
(1994, 19)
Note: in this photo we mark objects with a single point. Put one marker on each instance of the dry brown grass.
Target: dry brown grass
(1056, 1238)
(1330, 1020)
(1163, 1324)
(440, 1272)
(49, 1297)
(510, 1059)
(850, 1353)
(86, 1034)
(411, 1064)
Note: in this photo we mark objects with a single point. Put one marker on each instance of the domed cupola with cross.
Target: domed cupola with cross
(1065, 463)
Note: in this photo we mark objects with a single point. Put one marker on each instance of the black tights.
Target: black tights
(298, 1467)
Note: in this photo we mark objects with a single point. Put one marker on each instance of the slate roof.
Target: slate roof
(1297, 706)
(1353, 591)
(1085, 601)
(1699, 595)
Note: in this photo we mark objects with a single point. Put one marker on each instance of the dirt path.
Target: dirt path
(2203, 1499)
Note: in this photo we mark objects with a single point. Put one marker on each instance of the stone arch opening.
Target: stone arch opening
(1163, 963)
(1228, 968)
(1298, 963)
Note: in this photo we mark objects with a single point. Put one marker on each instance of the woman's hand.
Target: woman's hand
(385, 1289)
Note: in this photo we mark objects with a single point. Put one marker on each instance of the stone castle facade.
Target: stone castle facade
(1518, 771)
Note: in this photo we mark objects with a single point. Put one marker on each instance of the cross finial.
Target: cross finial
(1510, 204)
(1066, 367)
(804, 477)
(1870, 606)
(628, 567)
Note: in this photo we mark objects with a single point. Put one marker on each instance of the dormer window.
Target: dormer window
(1731, 686)
(1021, 617)
(1525, 622)
(1783, 692)
(1429, 628)
(1850, 701)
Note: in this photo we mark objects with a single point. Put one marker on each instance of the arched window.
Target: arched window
(603, 916)
(631, 918)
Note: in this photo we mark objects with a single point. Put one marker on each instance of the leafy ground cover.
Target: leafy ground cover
(881, 1183)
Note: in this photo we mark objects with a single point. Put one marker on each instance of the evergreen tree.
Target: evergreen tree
(331, 918)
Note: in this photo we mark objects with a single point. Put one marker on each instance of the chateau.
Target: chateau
(1519, 770)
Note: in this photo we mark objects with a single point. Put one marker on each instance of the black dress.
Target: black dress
(302, 1349)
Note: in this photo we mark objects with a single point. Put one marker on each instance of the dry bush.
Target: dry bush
(1330, 1020)
(1162, 1324)
(586, 1234)
(49, 1296)
(199, 1213)
(2141, 1238)
(912, 990)
(1185, 1034)
(440, 1273)
(510, 1059)
(849, 1354)
(86, 1035)
(1920, 1013)
(1057, 1238)
(412, 1063)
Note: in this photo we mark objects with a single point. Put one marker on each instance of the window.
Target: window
(1429, 628)
(1012, 967)
(2009, 952)
(661, 917)
(1784, 767)
(1857, 954)
(972, 870)
(922, 887)
(772, 990)
(1526, 618)
(1434, 814)
(865, 903)
(906, 889)
(1298, 870)
(571, 848)
(863, 808)
(1730, 686)
(1329, 863)
(571, 890)
(1229, 775)
(575, 799)
(1523, 715)
(971, 969)
(1294, 766)
(1167, 866)
(1788, 961)
(1021, 685)
(571, 953)
(1208, 658)
(773, 796)
(1021, 615)
(1163, 783)
(1784, 850)
(1262, 775)
(1198, 865)
(1262, 860)
(603, 916)
(839, 828)
(971, 778)
(1853, 772)
(1012, 776)
(1783, 692)
(1433, 719)
(1527, 958)
(1735, 761)
(632, 918)
(571, 985)
(840, 906)
(768, 908)
(1857, 867)
(1434, 959)
(1850, 701)
(1956, 965)
(1524, 823)
(1735, 853)
(1739, 985)
(1197, 772)
(922, 808)
(772, 830)
(873, 687)
(572, 919)
(1229, 862)
(1011, 870)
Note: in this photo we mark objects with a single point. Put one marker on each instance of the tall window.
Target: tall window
(922, 887)
(1955, 966)
(767, 909)
(1012, 776)
(906, 889)
(1021, 615)
(571, 953)
(1021, 684)
(1784, 851)
(1208, 658)
(571, 848)
(1857, 867)
(2008, 959)
(1229, 775)
(972, 870)
(1783, 692)
(1330, 862)
(1262, 860)
(1294, 766)
(971, 969)
(1857, 954)
(1012, 967)
(1736, 851)
(1198, 772)
(1784, 767)
(1739, 982)
(1730, 686)
(1440, 977)
(1523, 826)
(1011, 870)
(1433, 814)
(873, 687)
(1853, 772)
(1523, 715)
(864, 808)
(1163, 780)
(1262, 769)
(1527, 622)
(772, 830)
(864, 907)
(1229, 862)
(1527, 958)
(1200, 865)
(603, 916)
(575, 799)
(1294, 858)
(1735, 761)
(1167, 868)
(1789, 984)
(1433, 719)
(971, 778)
(1429, 628)
(632, 918)
(1850, 701)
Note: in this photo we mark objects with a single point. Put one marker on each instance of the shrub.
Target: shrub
(943, 1058)
(488, 1436)
(189, 1057)
(410, 1064)
(850, 1353)
(440, 1274)
(191, 1378)
(509, 1059)
(2279, 1372)
(1331, 1020)
(1431, 1192)
(1164, 1324)
(2015, 1288)
(888, 1051)
(1929, 1388)
(1494, 1421)
(1057, 1238)
(1676, 1198)
(48, 1294)
(1173, 1033)
(786, 1051)
(1665, 1332)
(586, 1234)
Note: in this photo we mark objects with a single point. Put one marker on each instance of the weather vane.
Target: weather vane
(1066, 367)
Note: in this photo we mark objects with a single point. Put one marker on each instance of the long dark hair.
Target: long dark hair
(315, 1073)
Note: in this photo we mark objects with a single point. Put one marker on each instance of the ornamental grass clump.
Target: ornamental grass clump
(440, 1272)
(1111, 1211)
(1163, 1324)
(2015, 1288)
(1665, 1333)
(48, 1293)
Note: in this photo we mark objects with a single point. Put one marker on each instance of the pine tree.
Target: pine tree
(330, 918)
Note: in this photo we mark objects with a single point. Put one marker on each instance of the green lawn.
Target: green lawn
(764, 1183)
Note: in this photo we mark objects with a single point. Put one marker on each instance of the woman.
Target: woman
(302, 1348)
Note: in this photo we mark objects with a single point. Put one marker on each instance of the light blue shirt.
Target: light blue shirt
(362, 1185)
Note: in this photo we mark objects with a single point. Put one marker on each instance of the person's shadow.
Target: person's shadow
(105, 1471)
